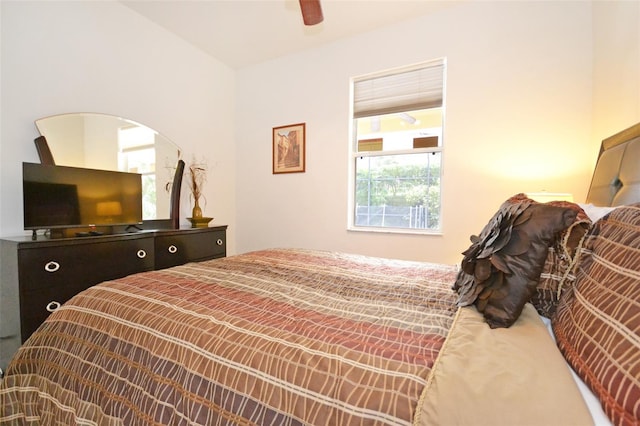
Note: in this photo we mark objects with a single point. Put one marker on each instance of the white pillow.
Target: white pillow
(595, 212)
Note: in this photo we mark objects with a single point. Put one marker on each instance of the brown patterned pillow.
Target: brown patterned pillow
(501, 269)
(597, 325)
(558, 272)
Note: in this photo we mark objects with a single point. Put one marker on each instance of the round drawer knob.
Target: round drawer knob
(52, 266)
(220, 242)
(172, 249)
(142, 254)
(52, 306)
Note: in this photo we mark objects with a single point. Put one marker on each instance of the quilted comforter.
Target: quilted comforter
(276, 337)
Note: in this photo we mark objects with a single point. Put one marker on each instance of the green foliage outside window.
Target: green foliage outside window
(389, 186)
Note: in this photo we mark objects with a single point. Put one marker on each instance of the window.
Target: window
(397, 150)
(137, 154)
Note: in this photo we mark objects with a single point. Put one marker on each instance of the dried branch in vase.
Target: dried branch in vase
(197, 176)
(197, 179)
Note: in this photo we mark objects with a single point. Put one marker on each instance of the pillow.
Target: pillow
(558, 272)
(597, 325)
(595, 212)
(500, 271)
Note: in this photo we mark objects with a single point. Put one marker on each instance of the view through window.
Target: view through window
(137, 154)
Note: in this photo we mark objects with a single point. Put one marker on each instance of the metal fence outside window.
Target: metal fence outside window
(413, 217)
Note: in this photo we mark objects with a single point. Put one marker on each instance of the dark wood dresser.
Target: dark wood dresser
(37, 277)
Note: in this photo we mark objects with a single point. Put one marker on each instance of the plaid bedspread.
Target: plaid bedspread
(276, 337)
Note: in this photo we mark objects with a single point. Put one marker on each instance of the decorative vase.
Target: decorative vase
(196, 213)
(196, 219)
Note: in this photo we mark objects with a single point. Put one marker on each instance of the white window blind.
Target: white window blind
(408, 89)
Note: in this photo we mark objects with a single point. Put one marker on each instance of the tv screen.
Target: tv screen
(68, 197)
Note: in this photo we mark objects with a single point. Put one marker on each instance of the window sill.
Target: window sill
(406, 231)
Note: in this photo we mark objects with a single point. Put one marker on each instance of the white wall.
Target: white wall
(616, 28)
(60, 57)
(518, 118)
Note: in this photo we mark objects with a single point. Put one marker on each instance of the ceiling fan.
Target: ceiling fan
(311, 12)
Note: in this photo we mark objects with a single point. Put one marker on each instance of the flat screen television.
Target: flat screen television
(73, 197)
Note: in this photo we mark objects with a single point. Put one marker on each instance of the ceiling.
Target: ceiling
(246, 32)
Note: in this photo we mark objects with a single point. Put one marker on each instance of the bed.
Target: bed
(295, 337)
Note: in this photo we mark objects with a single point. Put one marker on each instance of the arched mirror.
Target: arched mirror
(108, 142)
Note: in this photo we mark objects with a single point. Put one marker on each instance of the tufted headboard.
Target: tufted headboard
(616, 179)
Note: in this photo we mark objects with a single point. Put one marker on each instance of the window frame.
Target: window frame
(354, 153)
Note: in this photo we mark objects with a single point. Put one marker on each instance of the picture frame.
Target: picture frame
(289, 146)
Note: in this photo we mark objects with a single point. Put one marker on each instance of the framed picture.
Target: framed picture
(288, 148)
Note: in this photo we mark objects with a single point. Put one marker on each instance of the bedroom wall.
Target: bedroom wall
(616, 66)
(518, 116)
(74, 56)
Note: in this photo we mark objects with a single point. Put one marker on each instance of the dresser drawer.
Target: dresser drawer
(179, 248)
(83, 265)
(36, 306)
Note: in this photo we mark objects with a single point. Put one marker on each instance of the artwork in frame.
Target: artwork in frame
(289, 148)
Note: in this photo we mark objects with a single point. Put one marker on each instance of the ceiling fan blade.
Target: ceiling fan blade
(311, 12)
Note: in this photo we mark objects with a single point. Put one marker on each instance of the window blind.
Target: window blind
(405, 90)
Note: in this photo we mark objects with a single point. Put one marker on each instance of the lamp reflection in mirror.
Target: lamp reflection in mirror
(545, 197)
(109, 209)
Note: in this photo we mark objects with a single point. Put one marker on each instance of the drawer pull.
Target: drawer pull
(141, 254)
(220, 242)
(52, 266)
(172, 249)
(52, 306)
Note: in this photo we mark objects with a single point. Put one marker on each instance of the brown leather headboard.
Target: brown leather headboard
(616, 179)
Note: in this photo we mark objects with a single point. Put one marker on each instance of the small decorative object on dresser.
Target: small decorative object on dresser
(289, 148)
(197, 177)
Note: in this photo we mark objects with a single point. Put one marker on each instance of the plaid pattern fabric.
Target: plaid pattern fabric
(597, 324)
(278, 337)
(558, 272)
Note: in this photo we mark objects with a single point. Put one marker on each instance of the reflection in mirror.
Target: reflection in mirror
(108, 142)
